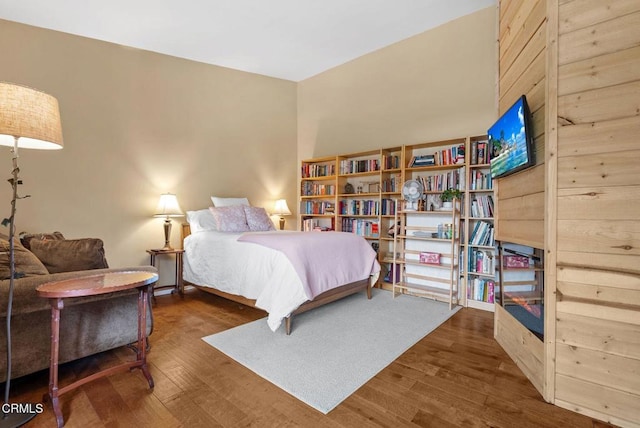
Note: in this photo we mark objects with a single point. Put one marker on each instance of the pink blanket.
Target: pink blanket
(322, 260)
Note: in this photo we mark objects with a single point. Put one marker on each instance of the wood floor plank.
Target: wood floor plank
(458, 376)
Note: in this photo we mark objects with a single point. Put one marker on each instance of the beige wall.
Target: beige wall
(439, 84)
(137, 124)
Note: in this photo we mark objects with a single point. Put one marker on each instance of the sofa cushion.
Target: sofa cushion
(26, 239)
(27, 264)
(70, 254)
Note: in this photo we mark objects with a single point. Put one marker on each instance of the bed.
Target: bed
(259, 276)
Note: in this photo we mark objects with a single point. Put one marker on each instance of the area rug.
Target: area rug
(335, 349)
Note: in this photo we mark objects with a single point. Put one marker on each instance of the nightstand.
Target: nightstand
(178, 284)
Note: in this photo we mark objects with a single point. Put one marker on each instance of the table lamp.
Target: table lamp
(168, 207)
(281, 209)
(29, 119)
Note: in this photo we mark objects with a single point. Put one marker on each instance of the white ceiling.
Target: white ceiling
(288, 39)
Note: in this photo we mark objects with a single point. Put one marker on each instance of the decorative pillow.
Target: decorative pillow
(230, 219)
(27, 264)
(26, 239)
(228, 202)
(258, 219)
(70, 255)
(201, 220)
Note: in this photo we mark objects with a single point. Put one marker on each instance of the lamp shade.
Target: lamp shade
(29, 117)
(168, 206)
(281, 208)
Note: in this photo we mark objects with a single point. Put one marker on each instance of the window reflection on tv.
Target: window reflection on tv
(510, 140)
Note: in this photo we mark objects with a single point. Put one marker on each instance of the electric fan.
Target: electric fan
(412, 193)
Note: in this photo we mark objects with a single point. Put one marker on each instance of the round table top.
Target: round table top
(96, 284)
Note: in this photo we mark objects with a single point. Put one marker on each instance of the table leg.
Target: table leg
(56, 306)
(141, 357)
(179, 280)
(153, 263)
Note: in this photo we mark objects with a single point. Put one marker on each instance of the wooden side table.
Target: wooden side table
(179, 283)
(92, 285)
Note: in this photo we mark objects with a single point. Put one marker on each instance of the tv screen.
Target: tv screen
(511, 141)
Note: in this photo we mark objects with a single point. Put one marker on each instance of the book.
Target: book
(430, 258)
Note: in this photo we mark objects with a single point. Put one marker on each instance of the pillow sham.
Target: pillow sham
(258, 219)
(230, 219)
(27, 264)
(70, 255)
(228, 202)
(201, 220)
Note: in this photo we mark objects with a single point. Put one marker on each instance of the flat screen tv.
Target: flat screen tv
(511, 140)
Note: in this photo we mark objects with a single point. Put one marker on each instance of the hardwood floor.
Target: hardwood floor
(458, 376)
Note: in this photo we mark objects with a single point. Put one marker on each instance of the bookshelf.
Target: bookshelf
(358, 193)
(480, 253)
(427, 253)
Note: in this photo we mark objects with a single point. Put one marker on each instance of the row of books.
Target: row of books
(482, 234)
(390, 162)
(441, 182)
(317, 207)
(482, 206)
(355, 166)
(392, 184)
(482, 290)
(310, 188)
(313, 225)
(359, 207)
(388, 207)
(480, 152)
(318, 170)
(481, 181)
(362, 227)
(451, 156)
(481, 261)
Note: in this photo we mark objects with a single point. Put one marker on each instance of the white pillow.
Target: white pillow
(201, 220)
(227, 202)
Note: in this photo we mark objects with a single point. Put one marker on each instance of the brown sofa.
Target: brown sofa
(88, 325)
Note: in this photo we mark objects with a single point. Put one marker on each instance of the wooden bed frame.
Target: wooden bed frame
(322, 299)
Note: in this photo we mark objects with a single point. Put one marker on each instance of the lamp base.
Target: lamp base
(12, 420)
(167, 235)
(281, 223)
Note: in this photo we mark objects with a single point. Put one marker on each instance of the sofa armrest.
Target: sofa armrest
(26, 299)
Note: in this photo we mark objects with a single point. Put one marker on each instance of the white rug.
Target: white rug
(335, 349)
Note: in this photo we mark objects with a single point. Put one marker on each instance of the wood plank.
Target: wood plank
(523, 347)
(599, 203)
(600, 277)
(526, 207)
(507, 10)
(607, 403)
(599, 170)
(612, 337)
(611, 371)
(600, 294)
(617, 135)
(599, 39)
(599, 105)
(525, 182)
(529, 232)
(628, 262)
(609, 313)
(576, 15)
(605, 70)
(599, 236)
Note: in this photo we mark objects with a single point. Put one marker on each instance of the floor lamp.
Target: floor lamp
(29, 119)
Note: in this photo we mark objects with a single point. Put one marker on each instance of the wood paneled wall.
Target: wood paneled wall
(522, 56)
(598, 210)
(590, 96)
(520, 198)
